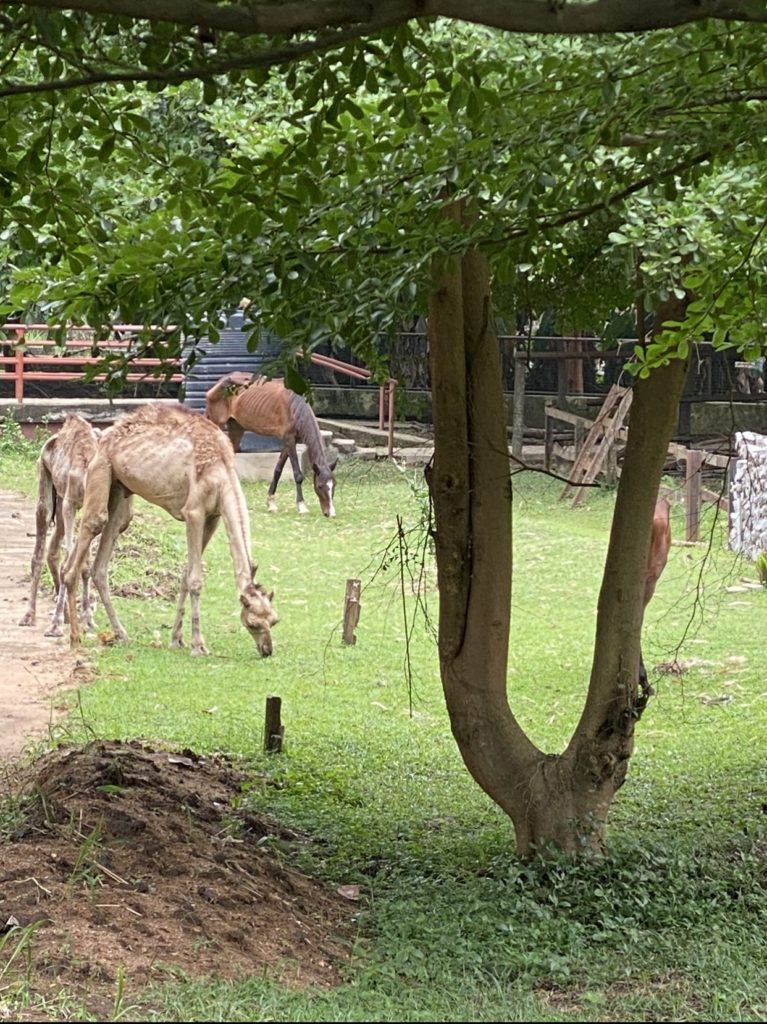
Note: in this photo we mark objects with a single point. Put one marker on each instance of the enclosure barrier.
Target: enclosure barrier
(694, 460)
(26, 358)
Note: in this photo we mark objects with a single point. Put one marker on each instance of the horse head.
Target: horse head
(325, 485)
(258, 616)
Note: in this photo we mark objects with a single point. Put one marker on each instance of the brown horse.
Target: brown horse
(240, 402)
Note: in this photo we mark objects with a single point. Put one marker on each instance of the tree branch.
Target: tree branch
(173, 76)
(528, 16)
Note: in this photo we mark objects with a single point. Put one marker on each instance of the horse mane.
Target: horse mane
(308, 431)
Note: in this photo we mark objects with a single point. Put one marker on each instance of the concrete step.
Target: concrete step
(344, 445)
(369, 435)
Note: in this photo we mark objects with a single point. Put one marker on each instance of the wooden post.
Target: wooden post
(693, 475)
(274, 730)
(561, 382)
(351, 610)
(392, 386)
(548, 446)
(518, 410)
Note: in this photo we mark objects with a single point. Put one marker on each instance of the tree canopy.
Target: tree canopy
(319, 188)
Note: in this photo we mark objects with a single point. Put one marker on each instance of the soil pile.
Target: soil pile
(138, 864)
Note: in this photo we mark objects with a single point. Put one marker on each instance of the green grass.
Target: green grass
(452, 926)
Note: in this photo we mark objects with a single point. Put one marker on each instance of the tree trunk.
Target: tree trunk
(552, 800)
(603, 740)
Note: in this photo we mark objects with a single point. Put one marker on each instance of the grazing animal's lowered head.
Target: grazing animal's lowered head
(324, 486)
(258, 616)
(240, 401)
(178, 460)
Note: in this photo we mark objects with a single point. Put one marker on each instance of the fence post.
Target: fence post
(693, 474)
(351, 610)
(561, 382)
(392, 386)
(274, 730)
(548, 441)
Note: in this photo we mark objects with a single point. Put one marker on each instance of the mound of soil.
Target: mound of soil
(135, 861)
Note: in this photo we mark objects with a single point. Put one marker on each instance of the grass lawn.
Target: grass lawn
(671, 926)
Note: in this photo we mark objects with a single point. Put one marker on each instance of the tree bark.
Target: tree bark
(513, 15)
(559, 800)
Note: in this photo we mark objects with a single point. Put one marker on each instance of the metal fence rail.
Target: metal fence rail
(28, 353)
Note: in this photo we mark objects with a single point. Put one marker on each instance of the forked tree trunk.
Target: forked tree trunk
(559, 800)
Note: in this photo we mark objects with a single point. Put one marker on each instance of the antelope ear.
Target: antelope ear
(244, 601)
(271, 596)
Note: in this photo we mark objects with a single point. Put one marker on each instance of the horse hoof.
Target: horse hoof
(27, 620)
(54, 631)
(271, 506)
(303, 510)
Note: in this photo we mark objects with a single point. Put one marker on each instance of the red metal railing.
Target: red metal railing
(385, 415)
(44, 358)
(52, 360)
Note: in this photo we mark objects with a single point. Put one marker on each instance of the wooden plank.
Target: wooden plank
(592, 440)
(568, 417)
(693, 475)
(602, 435)
(605, 444)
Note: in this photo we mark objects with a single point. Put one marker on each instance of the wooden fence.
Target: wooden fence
(694, 460)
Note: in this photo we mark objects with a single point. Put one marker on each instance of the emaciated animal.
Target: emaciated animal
(240, 402)
(174, 458)
(61, 479)
(660, 544)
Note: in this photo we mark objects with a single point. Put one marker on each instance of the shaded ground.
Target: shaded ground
(121, 864)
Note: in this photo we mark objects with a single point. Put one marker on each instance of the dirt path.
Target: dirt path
(33, 668)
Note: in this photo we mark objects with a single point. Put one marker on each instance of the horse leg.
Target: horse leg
(88, 604)
(271, 503)
(106, 511)
(298, 476)
(54, 546)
